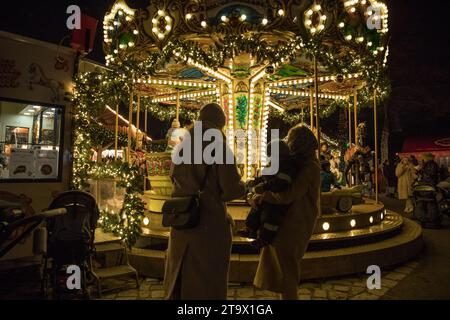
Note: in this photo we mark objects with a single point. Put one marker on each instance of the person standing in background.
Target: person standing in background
(430, 170)
(405, 173)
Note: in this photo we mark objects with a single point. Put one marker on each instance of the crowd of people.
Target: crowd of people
(403, 173)
(356, 167)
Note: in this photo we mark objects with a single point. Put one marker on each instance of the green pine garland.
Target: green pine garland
(92, 91)
(257, 112)
(241, 110)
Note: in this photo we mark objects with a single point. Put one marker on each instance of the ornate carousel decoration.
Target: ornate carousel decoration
(258, 59)
(250, 56)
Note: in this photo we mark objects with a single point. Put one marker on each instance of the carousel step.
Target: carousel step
(104, 238)
(109, 247)
(115, 272)
(387, 252)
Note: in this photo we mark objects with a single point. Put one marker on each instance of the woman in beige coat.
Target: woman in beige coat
(279, 264)
(406, 175)
(198, 259)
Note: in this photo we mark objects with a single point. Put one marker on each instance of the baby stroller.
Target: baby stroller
(70, 241)
(444, 196)
(426, 206)
(17, 227)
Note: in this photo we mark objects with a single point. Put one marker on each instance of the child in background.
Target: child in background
(327, 178)
(262, 223)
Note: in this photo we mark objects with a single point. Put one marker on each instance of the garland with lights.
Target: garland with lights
(293, 118)
(369, 65)
(92, 92)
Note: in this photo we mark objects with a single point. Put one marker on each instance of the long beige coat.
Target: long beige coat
(406, 175)
(279, 264)
(201, 256)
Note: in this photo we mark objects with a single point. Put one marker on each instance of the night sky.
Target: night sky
(419, 63)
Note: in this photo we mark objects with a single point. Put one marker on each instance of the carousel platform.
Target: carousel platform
(342, 244)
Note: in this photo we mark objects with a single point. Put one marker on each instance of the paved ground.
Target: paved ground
(431, 278)
(348, 288)
(428, 277)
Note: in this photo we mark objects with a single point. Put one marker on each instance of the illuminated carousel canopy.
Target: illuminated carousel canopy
(250, 56)
(210, 39)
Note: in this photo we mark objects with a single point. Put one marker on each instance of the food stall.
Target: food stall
(35, 127)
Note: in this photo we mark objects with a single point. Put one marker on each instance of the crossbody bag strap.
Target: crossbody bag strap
(202, 186)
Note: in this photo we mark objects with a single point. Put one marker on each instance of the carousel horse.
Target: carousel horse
(356, 159)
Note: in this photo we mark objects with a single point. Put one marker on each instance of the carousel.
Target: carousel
(256, 59)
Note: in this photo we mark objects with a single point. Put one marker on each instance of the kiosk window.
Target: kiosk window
(30, 141)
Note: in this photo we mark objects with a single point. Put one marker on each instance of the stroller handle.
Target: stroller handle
(30, 224)
(54, 212)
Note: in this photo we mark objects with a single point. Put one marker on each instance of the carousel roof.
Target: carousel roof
(187, 46)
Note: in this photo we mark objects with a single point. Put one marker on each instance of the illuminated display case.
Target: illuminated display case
(108, 194)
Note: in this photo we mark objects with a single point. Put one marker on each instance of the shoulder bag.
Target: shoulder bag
(184, 212)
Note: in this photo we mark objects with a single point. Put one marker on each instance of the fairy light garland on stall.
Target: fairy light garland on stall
(88, 103)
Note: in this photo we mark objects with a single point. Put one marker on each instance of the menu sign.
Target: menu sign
(33, 164)
(46, 164)
(21, 164)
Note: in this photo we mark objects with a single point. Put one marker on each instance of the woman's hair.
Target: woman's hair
(302, 141)
(213, 114)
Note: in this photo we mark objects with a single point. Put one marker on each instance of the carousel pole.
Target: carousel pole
(316, 87)
(355, 110)
(177, 115)
(349, 124)
(130, 123)
(145, 120)
(311, 108)
(375, 120)
(116, 133)
(350, 182)
(316, 90)
(138, 112)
